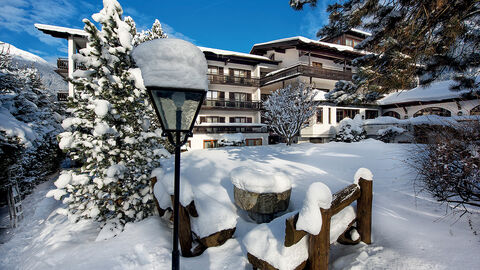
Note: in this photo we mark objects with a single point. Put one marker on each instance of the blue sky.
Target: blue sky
(222, 24)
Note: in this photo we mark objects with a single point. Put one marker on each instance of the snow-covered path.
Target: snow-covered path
(409, 232)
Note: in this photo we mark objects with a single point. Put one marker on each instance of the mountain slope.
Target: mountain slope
(52, 81)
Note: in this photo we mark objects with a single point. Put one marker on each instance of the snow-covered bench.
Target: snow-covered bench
(302, 241)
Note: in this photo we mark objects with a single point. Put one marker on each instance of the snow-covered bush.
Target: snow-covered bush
(287, 110)
(351, 130)
(448, 166)
(112, 135)
(29, 123)
(388, 134)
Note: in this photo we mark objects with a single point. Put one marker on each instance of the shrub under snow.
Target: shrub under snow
(350, 130)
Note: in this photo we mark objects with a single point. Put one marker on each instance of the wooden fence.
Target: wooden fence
(319, 245)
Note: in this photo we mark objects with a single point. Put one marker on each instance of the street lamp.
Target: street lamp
(175, 74)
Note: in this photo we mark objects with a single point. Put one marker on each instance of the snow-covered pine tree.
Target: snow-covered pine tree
(287, 110)
(154, 33)
(110, 136)
(410, 38)
(346, 92)
(28, 127)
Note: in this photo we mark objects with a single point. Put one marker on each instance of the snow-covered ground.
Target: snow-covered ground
(408, 232)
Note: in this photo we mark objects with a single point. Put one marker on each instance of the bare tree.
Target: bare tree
(448, 166)
(289, 109)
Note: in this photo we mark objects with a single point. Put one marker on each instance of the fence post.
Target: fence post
(364, 211)
(319, 245)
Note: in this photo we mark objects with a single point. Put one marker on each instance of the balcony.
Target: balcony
(229, 128)
(62, 67)
(231, 104)
(232, 80)
(309, 71)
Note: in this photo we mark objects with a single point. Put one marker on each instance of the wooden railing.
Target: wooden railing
(234, 104)
(319, 245)
(233, 80)
(309, 71)
(62, 65)
(62, 96)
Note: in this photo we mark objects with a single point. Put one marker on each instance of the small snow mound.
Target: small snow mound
(63, 180)
(259, 181)
(102, 107)
(111, 229)
(363, 173)
(310, 218)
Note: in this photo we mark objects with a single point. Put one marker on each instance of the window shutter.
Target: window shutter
(220, 70)
(249, 120)
(232, 95)
(249, 74)
(203, 119)
(230, 71)
(249, 97)
(221, 95)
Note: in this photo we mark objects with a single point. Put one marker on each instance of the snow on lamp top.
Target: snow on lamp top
(172, 63)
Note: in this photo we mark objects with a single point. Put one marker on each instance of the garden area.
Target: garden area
(409, 231)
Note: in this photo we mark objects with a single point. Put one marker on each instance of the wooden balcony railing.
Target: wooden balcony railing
(229, 129)
(62, 65)
(227, 79)
(231, 104)
(309, 71)
(62, 96)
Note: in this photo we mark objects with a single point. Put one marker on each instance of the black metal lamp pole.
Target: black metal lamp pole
(175, 252)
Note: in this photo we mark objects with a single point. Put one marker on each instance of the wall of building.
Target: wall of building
(465, 107)
(196, 142)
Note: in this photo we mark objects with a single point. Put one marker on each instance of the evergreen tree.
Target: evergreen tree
(154, 33)
(28, 127)
(111, 135)
(287, 110)
(409, 38)
(346, 92)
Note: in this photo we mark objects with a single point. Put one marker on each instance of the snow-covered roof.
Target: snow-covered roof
(360, 31)
(433, 92)
(232, 53)
(59, 31)
(311, 41)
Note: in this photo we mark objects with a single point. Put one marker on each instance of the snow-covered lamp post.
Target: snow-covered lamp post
(175, 74)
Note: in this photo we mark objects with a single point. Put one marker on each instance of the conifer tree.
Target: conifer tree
(433, 39)
(111, 136)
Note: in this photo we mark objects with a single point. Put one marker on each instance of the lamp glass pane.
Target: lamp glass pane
(176, 108)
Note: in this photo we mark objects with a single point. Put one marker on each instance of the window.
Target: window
(329, 115)
(343, 113)
(475, 111)
(215, 95)
(234, 96)
(214, 70)
(240, 119)
(392, 114)
(209, 144)
(317, 64)
(319, 115)
(239, 73)
(371, 114)
(253, 142)
(433, 111)
(349, 42)
(212, 119)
